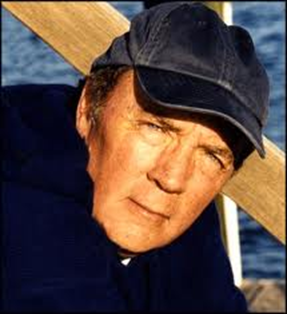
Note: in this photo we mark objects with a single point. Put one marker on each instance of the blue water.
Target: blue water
(26, 59)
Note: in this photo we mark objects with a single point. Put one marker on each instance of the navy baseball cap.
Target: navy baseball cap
(185, 57)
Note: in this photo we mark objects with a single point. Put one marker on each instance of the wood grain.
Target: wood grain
(78, 31)
(259, 189)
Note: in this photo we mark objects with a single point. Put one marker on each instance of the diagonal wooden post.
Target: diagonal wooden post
(80, 31)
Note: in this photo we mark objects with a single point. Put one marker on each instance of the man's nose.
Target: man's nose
(172, 170)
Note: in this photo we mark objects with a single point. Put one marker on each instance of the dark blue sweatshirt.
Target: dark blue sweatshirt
(55, 257)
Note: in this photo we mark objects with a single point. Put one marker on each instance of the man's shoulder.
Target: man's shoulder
(38, 101)
(38, 111)
(27, 95)
(34, 89)
(39, 134)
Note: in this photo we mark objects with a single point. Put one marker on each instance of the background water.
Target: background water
(26, 59)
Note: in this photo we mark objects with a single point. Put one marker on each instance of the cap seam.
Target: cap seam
(222, 72)
(220, 84)
(139, 56)
(148, 50)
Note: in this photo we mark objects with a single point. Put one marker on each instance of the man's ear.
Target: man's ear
(83, 122)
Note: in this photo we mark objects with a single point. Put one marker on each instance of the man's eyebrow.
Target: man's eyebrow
(164, 123)
(219, 150)
(168, 126)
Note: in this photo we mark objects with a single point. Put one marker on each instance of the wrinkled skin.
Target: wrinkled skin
(153, 177)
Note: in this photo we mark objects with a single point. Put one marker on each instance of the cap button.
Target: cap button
(202, 24)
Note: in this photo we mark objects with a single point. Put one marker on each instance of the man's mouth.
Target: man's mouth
(149, 213)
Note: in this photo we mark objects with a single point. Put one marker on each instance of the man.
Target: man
(108, 190)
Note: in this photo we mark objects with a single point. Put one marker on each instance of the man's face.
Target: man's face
(153, 176)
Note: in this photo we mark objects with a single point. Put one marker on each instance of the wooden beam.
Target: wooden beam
(259, 189)
(80, 31)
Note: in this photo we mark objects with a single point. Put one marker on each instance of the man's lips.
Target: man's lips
(148, 212)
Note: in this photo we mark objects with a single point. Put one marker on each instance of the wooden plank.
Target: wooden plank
(80, 31)
(259, 188)
(217, 6)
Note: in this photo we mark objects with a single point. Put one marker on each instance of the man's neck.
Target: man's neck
(123, 253)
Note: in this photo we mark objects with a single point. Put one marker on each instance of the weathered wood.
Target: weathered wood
(217, 6)
(80, 31)
(259, 188)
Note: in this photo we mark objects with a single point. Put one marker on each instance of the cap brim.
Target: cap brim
(183, 92)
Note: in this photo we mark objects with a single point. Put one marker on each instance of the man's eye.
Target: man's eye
(216, 159)
(154, 126)
(152, 133)
(151, 126)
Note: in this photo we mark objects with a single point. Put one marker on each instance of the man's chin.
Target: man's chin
(130, 250)
(133, 248)
(133, 238)
(126, 253)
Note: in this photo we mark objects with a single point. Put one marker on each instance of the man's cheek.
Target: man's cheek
(132, 155)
